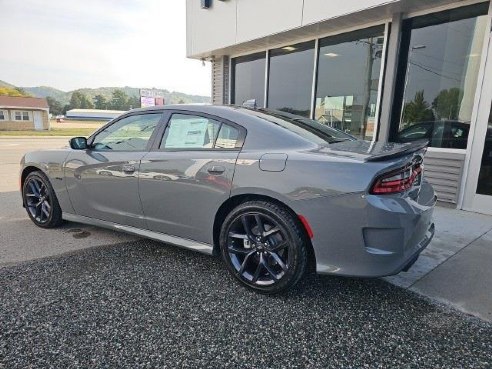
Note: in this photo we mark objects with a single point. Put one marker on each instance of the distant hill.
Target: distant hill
(171, 97)
(45, 91)
(5, 84)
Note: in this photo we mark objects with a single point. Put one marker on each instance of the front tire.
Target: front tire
(263, 246)
(40, 201)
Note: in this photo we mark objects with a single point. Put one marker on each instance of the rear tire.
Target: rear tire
(40, 201)
(263, 246)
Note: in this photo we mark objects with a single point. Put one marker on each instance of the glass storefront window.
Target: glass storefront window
(438, 76)
(291, 78)
(347, 82)
(248, 78)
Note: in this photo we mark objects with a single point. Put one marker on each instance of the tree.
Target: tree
(79, 100)
(417, 110)
(56, 108)
(9, 91)
(86, 103)
(100, 102)
(133, 102)
(119, 100)
(447, 103)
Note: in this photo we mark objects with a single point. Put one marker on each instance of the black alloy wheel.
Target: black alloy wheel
(40, 201)
(263, 246)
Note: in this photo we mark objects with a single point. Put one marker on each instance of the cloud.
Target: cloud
(73, 43)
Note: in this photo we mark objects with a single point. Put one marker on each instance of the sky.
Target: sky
(70, 44)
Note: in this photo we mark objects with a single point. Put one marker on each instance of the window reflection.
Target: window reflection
(291, 78)
(248, 78)
(443, 60)
(348, 80)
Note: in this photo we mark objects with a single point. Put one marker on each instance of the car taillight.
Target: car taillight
(397, 181)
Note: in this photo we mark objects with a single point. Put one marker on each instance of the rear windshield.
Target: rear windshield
(308, 129)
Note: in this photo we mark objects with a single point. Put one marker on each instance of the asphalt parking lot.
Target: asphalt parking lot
(147, 305)
(95, 299)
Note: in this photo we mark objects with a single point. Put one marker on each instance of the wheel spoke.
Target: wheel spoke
(258, 270)
(238, 250)
(37, 212)
(278, 247)
(259, 223)
(269, 270)
(42, 189)
(271, 231)
(33, 189)
(38, 187)
(247, 228)
(45, 210)
(238, 235)
(245, 262)
(279, 260)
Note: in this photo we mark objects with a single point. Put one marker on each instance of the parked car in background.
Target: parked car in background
(270, 192)
(443, 133)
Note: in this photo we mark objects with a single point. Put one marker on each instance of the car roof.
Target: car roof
(233, 113)
(204, 108)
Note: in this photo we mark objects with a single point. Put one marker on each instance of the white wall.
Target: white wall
(231, 22)
(318, 10)
(259, 18)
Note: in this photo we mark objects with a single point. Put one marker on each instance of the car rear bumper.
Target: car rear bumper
(368, 235)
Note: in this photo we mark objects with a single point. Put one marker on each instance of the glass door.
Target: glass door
(478, 184)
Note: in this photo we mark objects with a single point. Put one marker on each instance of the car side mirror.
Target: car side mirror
(78, 143)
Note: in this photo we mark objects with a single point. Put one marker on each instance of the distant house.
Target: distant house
(93, 114)
(23, 113)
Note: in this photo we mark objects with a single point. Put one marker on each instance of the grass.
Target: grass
(73, 132)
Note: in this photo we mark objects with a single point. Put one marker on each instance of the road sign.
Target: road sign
(147, 101)
(151, 92)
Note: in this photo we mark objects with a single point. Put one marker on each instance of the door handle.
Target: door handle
(216, 169)
(128, 168)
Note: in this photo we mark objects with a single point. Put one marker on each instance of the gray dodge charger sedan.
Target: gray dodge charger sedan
(273, 193)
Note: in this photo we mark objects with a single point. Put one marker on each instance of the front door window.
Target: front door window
(128, 134)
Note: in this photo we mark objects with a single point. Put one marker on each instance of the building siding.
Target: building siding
(220, 80)
(28, 125)
(444, 170)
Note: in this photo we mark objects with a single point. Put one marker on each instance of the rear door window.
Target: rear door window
(186, 131)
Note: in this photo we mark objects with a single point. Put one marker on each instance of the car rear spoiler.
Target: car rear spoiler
(399, 151)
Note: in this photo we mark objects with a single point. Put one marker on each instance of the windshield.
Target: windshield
(309, 129)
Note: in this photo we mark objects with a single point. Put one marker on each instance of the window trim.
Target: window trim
(150, 142)
(160, 135)
(5, 115)
(29, 116)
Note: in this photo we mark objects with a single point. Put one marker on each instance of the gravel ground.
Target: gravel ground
(147, 305)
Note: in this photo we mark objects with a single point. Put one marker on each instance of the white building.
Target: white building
(392, 70)
(93, 114)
